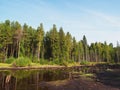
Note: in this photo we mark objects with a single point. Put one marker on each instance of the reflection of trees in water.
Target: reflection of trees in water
(8, 79)
(20, 74)
(32, 79)
(7, 82)
(28, 79)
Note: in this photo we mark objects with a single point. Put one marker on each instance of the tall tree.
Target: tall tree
(85, 46)
(74, 50)
(69, 45)
(17, 38)
(80, 51)
(47, 45)
(54, 40)
(117, 53)
(40, 37)
(63, 46)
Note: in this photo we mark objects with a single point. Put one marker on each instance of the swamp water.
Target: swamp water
(40, 79)
(30, 79)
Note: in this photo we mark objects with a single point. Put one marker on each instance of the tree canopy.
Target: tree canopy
(17, 40)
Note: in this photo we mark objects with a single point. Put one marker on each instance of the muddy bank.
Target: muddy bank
(78, 84)
(106, 80)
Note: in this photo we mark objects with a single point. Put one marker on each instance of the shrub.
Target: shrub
(56, 61)
(22, 62)
(43, 62)
(84, 63)
(10, 60)
(70, 61)
(65, 63)
(51, 63)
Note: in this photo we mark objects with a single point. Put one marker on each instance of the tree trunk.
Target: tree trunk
(79, 57)
(6, 53)
(18, 49)
(38, 54)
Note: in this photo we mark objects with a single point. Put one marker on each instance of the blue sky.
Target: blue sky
(99, 20)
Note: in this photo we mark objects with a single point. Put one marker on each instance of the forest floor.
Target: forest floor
(108, 80)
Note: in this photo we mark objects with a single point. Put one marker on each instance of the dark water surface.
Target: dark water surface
(29, 79)
(48, 79)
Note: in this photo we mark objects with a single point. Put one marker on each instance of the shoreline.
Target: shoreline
(44, 67)
(32, 67)
(54, 67)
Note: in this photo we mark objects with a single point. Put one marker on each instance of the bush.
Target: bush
(56, 61)
(51, 63)
(10, 60)
(70, 61)
(65, 63)
(22, 62)
(43, 62)
(84, 63)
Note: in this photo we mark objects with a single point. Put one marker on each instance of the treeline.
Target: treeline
(17, 40)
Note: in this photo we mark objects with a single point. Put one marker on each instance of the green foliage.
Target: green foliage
(20, 74)
(22, 61)
(10, 60)
(84, 63)
(64, 63)
(56, 47)
(54, 62)
(70, 61)
(44, 62)
(40, 37)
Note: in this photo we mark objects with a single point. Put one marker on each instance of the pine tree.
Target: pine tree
(80, 51)
(54, 43)
(40, 37)
(74, 50)
(62, 45)
(69, 46)
(85, 46)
